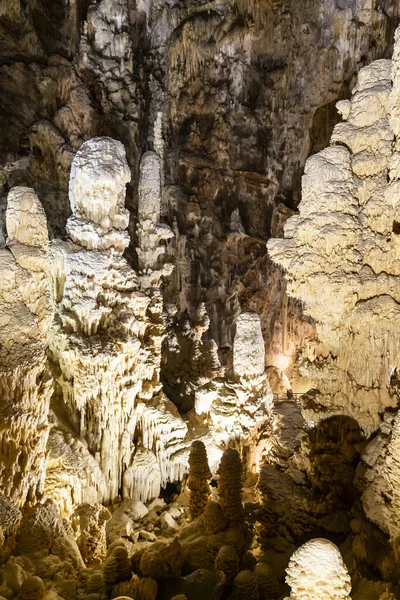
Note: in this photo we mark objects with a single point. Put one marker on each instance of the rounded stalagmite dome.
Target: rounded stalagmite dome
(316, 570)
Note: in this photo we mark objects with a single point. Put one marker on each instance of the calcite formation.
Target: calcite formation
(381, 498)
(239, 404)
(230, 487)
(25, 318)
(316, 570)
(105, 342)
(340, 252)
(199, 476)
(151, 233)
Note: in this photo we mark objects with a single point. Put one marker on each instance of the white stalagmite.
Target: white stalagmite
(316, 570)
(248, 347)
(105, 342)
(25, 317)
(238, 408)
(99, 175)
(341, 252)
(151, 233)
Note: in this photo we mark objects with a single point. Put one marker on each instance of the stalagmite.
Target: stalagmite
(214, 518)
(227, 561)
(89, 523)
(25, 317)
(238, 407)
(32, 589)
(230, 487)
(245, 586)
(199, 476)
(316, 570)
(117, 567)
(105, 343)
(267, 582)
(248, 347)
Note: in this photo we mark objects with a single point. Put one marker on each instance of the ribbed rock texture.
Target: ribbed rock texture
(231, 95)
(165, 141)
(316, 570)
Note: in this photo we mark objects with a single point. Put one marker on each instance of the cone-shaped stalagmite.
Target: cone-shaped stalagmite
(199, 475)
(230, 487)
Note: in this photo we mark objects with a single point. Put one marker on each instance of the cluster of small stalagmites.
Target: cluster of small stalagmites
(199, 476)
(316, 570)
(235, 406)
(48, 564)
(341, 251)
(190, 361)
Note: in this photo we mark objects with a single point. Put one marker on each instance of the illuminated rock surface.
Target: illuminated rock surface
(165, 141)
(316, 570)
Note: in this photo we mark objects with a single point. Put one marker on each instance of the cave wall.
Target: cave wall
(238, 92)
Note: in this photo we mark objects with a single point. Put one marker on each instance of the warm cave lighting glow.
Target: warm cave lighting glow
(282, 362)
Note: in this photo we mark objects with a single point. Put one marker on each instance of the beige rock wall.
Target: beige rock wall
(25, 318)
(340, 254)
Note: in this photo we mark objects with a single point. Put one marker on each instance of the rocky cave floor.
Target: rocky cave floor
(199, 542)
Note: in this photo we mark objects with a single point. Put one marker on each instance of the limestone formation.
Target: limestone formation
(138, 588)
(237, 407)
(99, 175)
(316, 570)
(89, 523)
(150, 231)
(340, 253)
(214, 519)
(117, 567)
(245, 586)
(199, 476)
(227, 561)
(162, 561)
(267, 582)
(105, 343)
(10, 518)
(230, 487)
(381, 499)
(73, 476)
(32, 589)
(25, 318)
(248, 346)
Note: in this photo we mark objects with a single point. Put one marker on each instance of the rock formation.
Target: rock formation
(89, 522)
(340, 253)
(230, 487)
(199, 476)
(316, 570)
(118, 372)
(105, 342)
(25, 316)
